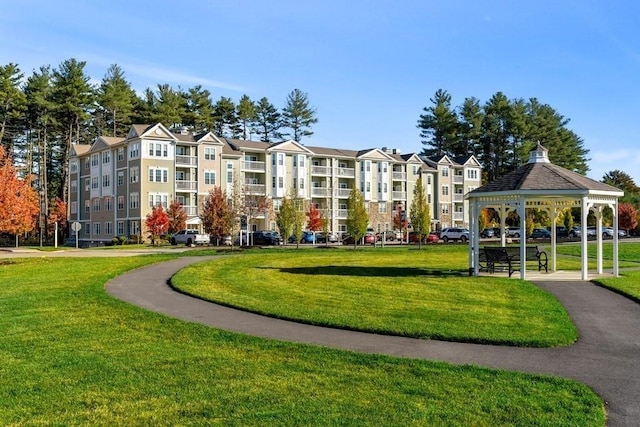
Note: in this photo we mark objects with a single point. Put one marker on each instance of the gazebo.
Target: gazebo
(542, 185)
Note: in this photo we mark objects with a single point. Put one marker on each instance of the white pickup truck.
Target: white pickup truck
(189, 238)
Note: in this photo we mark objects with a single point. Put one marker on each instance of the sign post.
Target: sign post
(76, 226)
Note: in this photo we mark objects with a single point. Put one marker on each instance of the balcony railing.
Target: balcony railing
(186, 185)
(345, 172)
(399, 176)
(253, 166)
(321, 170)
(320, 192)
(186, 160)
(341, 213)
(257, 189)
(458, 216)
(399, 195)
(457, 197)
(343, 192)
(190, 210)
(458, 179)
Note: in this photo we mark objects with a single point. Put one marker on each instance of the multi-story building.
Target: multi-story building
(115, 182)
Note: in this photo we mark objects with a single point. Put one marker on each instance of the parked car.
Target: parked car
(322, 238)
(307, 237)
(189, 237)
(389, 235)
(265, 238)
(575, 231)
(488, 233)
(433, 237)
(607, 232)
(560, 231)
(368, 239)
(513, 232)
(413, 237)
(461, 234)
(540, 233)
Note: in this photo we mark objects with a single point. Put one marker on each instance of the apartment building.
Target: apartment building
(115, 182)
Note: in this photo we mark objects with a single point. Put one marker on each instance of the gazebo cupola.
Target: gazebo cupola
(542, 185)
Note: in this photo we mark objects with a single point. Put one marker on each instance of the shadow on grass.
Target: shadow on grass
(335, 270)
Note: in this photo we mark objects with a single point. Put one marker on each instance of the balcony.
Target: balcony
(399, 195)
(458, 216)
(458, 197)
(458, 179)
(255, 189)
(341, 213)
(320, 192)
(186, 185)
(321, 170)
(190, 210)
(186, 160)
(399, 176)
(345, 172)
(343, 192)
(249, 165)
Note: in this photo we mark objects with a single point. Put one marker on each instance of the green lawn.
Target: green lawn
(72, 355)
(417, 293)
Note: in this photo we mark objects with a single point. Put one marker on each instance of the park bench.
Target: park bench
(508, 258)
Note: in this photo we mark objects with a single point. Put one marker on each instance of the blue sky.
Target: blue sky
(368, 67)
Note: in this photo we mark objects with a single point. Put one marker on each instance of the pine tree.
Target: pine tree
(225, 120)
(246, 113)
(439, 126)
(298, 116)
(12, 105)
(199, 110)
(267, 121)
(117, 100)
(169, 107)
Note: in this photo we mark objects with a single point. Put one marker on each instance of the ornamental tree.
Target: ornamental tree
(627, 216)
(177, 217)
(314, 218)
(19, 206)
(217, 214)
(157, 223)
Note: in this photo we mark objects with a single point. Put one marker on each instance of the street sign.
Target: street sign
(76, 226)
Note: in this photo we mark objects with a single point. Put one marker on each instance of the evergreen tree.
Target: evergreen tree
(420, 213)
(169, 107)
(357, 217)
(495, 147)
(225, 121)
(199, 110)
(116, 100)
(439, 126)
(267, 121)
(246, 113)
(298, 116)
(470, 127)
(621, 180)
(41, 122)
(12, 105)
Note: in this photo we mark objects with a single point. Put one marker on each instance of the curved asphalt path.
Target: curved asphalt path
(606, 356)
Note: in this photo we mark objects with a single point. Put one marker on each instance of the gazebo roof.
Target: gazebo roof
(539, 175)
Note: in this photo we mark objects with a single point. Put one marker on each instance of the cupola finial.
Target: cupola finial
(539, 154)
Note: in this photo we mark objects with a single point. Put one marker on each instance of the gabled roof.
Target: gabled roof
(103, 142)
(290, 146)
(79, 149)
(333, 152)
(373, 153)
(241, 144)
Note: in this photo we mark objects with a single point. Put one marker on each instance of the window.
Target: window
(74, 186)
(273, 182)
(74, 207)
(74, 166)
(445, 171)
(210, 177)
(295, 161)
(276, 204)
(368, 187)
(444, 208)
(302, 183)
(134, 174)
(120, 154)
(273, 159)
(106, 157)
(429, 198)
(108, 228)
(158, 175)
(415, 169)
(134, 228)
(106, 180)
(280, 182)
(87, 206)
(96, 205)
(229, 172)
(134, 150)
(445, 190)
(120, 178)
(368, 166)
(384, 167)
(429, 179)
(301, 162)
(295, 183)
(134, 201)
(280, 159)
(385, 188)
(94, 160)
(158, 200)
(87, 163)
(94, 182)
(108, 203)
(87, 184)
(379, 187)
(472, 174)
(120, 228)
(96, 228)
(382, 207)
(210, 153)
(120, 203)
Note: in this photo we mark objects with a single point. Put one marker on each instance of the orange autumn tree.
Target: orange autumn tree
(314, 218)
(19, 205)
(177, 217)
(57, 214)
(157, 223)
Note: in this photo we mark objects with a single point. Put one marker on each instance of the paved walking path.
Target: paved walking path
(606, 356)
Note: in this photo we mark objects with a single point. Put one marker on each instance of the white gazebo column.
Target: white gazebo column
(522, 210)
(503, 211)
(583, 240)
(616, 271)
(598, 214)
(554, 235)
(473, 237)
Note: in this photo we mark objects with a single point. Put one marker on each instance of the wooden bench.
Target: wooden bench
(508, 258)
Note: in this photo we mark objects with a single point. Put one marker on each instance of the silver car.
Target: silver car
(461, 234)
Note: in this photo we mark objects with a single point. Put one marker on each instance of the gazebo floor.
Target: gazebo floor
(559, 276)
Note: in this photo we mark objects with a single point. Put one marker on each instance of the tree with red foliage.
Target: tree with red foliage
(627, 216)
(19, 205)
(57, 214)
(217, 215)
(177, 217)
(314, 218)
(157, 223)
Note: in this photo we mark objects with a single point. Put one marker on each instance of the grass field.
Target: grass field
(398, 291)
(72, 355)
